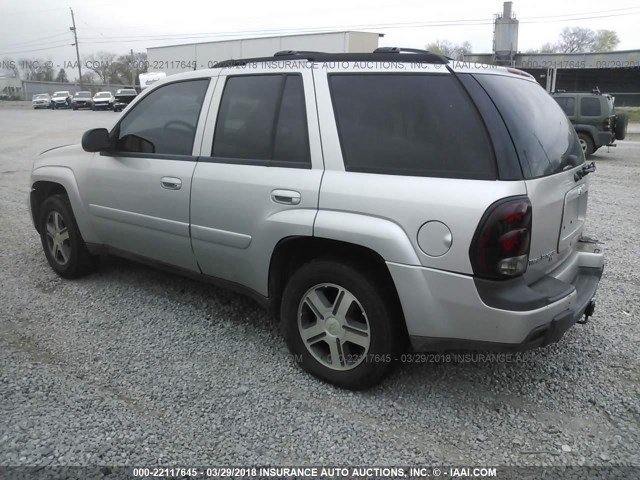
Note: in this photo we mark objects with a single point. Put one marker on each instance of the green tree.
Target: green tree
(605, 41)
(62, 76)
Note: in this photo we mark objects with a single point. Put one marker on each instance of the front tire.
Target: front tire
(62, 242)
(586, 142)
(338, 322)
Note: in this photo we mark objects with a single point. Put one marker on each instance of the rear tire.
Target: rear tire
(62, 242)
(586, 142)
(347, 318)
(622, 121)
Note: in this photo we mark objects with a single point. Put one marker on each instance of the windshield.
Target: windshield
(61, 94)
(126, 92)
(83, 94)
(103, 95)
(41, 96)
(544, 138)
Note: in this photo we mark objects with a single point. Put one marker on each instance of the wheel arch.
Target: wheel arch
(291, 253)
(53, 180)
(589, 130)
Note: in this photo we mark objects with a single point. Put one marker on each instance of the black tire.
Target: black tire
(622, 121)
(74, 108)
(385, 335)
(79, 261)
(587, 144)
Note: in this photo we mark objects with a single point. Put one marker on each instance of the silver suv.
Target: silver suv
(372, 201)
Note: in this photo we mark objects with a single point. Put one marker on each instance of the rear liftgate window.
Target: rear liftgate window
(410, 124)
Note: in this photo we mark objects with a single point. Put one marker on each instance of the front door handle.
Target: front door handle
(171, 183)
(286, 197)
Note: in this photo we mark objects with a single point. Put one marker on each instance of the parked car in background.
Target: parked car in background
(594, 117)
(61, 99)
(103, 101)
(124, 96)
(437, 215)
(81, 100)
(41, 100)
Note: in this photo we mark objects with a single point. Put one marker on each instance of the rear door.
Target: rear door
(549, 153)
(258, 175)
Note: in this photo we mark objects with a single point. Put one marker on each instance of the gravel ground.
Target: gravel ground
(134, 366)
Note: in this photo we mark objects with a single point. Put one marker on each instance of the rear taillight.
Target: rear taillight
(607, 124)
(500, 246)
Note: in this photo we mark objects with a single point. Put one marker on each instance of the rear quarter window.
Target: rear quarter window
(590, 107)
(544, 138)
(410, 124)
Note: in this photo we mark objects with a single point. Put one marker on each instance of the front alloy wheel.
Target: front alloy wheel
(58, 238)
(62, 242)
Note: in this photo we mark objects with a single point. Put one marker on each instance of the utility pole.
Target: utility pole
(133, 70)
(75, 36)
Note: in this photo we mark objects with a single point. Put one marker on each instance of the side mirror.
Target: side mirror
(96, 140)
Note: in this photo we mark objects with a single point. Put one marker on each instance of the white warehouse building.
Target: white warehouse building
(195, 56)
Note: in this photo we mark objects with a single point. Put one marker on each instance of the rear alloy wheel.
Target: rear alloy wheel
(63, 245)
(586, 143)
(338, 323)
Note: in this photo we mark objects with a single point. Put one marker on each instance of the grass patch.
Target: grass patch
(633, 112)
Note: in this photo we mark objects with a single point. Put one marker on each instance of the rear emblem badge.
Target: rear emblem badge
(548, 256)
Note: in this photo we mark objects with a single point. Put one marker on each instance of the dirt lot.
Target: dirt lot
(135, 366)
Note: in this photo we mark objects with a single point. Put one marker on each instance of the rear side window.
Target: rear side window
(590, 107)
(410, 124)
(544, 138)
(568, 104)
(263, 117)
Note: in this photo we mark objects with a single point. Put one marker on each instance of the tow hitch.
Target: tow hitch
(588, 311)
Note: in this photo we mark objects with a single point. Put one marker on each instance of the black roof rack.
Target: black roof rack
(382, 54)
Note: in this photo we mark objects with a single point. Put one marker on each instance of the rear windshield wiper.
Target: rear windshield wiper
(586, 169)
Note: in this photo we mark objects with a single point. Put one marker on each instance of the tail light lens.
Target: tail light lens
(500, 246)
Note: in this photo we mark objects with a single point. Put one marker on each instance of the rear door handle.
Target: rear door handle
(171, 183)
(286, 197)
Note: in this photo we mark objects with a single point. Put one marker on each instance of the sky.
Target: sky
(40, 29)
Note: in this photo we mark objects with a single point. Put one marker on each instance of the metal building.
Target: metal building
(194, 56)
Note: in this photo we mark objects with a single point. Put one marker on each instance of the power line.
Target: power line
(36, 41)
(442, 23)
(36, 50)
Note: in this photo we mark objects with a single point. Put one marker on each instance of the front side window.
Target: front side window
(410, 124)
(165, 121)
(263, 117)
(590, 107)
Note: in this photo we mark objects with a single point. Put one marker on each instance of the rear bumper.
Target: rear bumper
(605, 138)
(444, 310)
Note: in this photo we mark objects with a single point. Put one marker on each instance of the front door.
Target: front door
(139, 193)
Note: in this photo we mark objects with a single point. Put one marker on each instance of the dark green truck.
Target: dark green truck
(594, 117)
